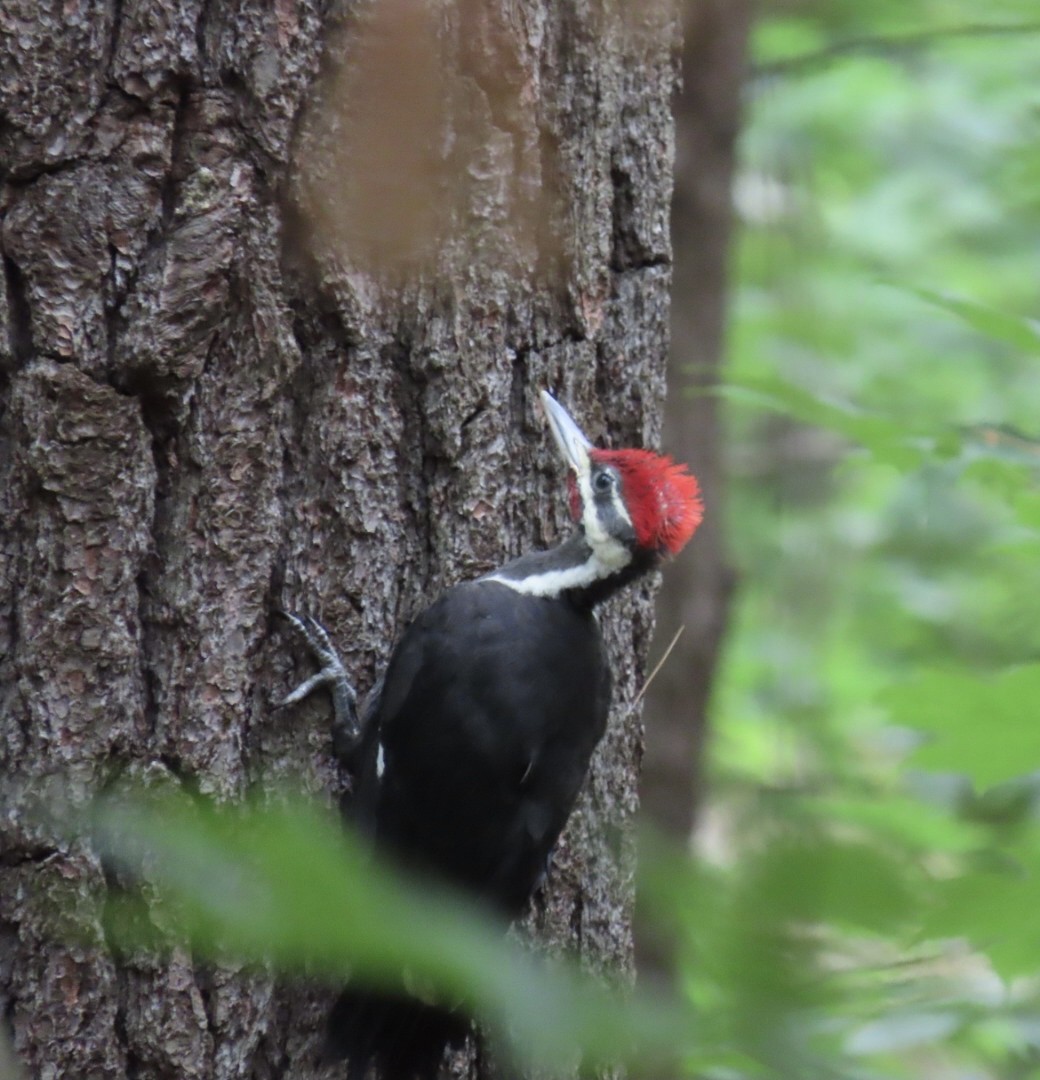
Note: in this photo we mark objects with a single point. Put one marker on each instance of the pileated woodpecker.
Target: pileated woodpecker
(478, 738)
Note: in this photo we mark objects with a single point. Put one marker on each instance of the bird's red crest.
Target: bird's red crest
(662, 497)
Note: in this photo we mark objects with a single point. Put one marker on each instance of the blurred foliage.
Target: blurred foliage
(278, 882)
(867, 901)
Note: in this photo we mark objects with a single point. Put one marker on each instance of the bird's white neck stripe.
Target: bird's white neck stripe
(554, 582)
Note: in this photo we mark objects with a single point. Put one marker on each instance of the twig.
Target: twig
(888, 44)
(660, 664)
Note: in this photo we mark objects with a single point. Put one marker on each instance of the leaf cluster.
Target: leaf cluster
(872, 833)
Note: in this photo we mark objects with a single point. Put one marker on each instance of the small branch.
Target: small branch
(660, 664)
(797, 65)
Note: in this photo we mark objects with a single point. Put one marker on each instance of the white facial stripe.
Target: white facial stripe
(620, 508)
(584, 479)
(609, 551)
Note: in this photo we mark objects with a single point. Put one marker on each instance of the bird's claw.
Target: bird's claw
(331, 667)
(331, 673)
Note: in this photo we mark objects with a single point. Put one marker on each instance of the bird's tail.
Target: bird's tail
(403, 1037)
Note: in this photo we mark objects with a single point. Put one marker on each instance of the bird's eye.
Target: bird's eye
(602, 482)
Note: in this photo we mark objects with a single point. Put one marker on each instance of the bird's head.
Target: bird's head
(628, 502)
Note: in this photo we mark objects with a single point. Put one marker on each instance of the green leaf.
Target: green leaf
(900, 820)
(1014, 330)
(997, 908)
(984, 726)
(285, 885)
(848, 882)
(888, 439)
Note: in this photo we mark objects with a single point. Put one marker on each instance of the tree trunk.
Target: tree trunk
(281, 281)
(701, 583)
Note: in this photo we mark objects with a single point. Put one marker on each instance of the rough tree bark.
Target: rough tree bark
(280, 281)
(700, 585)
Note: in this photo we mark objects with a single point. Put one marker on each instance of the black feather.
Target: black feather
(473, 756)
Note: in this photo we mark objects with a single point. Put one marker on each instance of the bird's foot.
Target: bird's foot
(543, 874)
(332, 674)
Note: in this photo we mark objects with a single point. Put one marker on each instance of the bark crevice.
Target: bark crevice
(19, 321)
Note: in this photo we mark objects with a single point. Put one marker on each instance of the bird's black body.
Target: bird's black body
(479, 738)
(491, 707)
(473, 753)
(472, 758)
